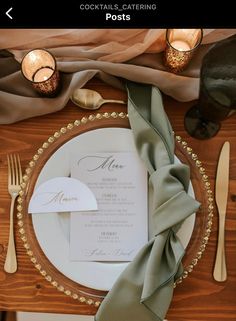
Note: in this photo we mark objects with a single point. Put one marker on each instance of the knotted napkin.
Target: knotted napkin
(144, 290)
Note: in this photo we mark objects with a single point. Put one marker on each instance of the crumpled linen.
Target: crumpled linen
(111, 54)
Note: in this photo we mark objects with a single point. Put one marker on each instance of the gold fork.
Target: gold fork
(14, 180)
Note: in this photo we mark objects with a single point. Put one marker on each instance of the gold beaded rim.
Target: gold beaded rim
(210, 210)
(82, 296)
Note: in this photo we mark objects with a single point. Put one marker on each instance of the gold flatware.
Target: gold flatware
(91, 99)
(221, 195)
(14, 180)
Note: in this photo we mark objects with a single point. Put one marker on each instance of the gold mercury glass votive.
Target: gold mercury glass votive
(180, 47)
(39, 67)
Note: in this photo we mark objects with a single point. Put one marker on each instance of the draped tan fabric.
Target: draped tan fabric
(111, 54)
(115, 45)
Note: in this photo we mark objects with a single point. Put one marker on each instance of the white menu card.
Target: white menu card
(119, 228)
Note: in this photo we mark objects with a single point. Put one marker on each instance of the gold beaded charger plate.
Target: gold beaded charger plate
(46, 237)
(52, 230)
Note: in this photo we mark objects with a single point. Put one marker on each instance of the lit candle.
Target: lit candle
(39, 67)
(43, 74)
(180, 45)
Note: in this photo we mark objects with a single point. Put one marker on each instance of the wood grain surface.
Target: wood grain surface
(199, 297)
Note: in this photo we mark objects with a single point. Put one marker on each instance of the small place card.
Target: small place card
(62, 194)
(119, 228)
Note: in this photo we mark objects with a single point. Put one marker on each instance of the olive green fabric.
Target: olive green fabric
(144, 290)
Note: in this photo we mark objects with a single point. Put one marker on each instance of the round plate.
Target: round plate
(53, 229)
(75, 287)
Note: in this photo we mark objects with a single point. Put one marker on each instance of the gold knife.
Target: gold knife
(221, 196)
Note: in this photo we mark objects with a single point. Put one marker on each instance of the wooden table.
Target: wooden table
(199, 297)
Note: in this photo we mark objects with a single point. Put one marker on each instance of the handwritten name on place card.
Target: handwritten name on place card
(62, 194)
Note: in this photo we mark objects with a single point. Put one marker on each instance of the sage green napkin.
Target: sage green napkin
(144, 290)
